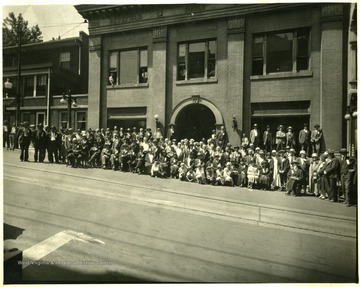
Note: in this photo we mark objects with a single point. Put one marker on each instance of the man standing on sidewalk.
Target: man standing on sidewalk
(39, 142)
(24, 141)
(332, 172)
(347, 171)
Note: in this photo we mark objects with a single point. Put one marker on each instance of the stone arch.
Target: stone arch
(200, 101)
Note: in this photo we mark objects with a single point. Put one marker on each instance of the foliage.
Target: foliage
(13, 27)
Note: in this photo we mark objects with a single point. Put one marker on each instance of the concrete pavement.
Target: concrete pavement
(266, 208)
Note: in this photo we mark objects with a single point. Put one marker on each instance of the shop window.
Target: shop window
(29, 86)
(81, 121)
(196, 60)
(128, 67)
(41, 85)
(63, 120)
(65, 60)
(281, 52)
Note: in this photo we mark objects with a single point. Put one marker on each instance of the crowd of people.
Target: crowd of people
(261, 164)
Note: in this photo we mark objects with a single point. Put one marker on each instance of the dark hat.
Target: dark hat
(40, 125)
(305, 125)
(343, 150)
(290, 128)
(267, 126)
(316, 126)
(281, 126)
(330, 151)
(52, 128)
(295, 162)
(281, 151)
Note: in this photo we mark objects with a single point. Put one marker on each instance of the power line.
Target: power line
(71, 29)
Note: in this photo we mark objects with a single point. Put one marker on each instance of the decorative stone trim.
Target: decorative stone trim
(332, 13)
(160, 34)
(236, 25)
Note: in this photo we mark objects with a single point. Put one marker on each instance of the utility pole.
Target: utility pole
(18, 90)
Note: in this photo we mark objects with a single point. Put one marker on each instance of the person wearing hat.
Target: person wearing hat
(274, 168)
(264, 176)
(171, 132)
(252, 174)
(284, 167)
(12, 137)
(316, 139)
(291, 155)
(304, 165)
(24, 141)
(255, 136)
(347, 172)
(332, 173)
(244, 141)
(227, 174)
(280, 138)
(222, 138)
(290, 138)
(268, 139)
(313, 176)
(304, 139)
(295, 177)
(39, 143)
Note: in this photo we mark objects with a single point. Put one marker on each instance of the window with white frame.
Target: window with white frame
(81, 120)
(196, 60)
(63, 120)
(65, 60)
(41, 85)
(285, 51)
(128, 67)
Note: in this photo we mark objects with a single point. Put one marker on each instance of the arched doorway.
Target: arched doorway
(195, 121)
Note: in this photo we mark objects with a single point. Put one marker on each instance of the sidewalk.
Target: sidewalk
(271, 208)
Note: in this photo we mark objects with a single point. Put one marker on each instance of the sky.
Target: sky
(53, 20)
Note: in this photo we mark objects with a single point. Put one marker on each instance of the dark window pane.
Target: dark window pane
(279, 53)
(181, 62)
(128, 67)
(196, 60)
(257, 66)
(211, 59)
(302, 60)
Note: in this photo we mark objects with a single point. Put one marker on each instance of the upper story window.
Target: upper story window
(281, 52)
(128, 67)
(65, 60)
(29, 86)
(41, 85)
(196, 60)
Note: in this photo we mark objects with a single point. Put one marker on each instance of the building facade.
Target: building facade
(46, 71)
(201, 66)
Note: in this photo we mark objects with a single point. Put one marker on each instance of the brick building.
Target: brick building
(47, 70)
(202, 66)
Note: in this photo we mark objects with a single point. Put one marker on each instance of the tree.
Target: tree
(11, 28)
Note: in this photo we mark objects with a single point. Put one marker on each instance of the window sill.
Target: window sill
(37, 97)
(127, 86)
(282, 76)
(196, 81)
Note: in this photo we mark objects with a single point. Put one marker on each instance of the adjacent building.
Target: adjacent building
(46, 71)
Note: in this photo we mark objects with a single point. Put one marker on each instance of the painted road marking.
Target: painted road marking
(45, 247)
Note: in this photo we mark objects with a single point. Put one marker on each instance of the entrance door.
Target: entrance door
(40, 118)
(195, 121)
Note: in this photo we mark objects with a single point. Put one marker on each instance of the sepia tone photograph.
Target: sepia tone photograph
(206, 142)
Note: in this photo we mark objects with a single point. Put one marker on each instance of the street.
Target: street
(128, 228)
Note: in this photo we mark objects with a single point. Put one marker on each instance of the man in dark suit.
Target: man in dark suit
(268, 139)
(347, 172)
(332, 173)
(222, 138)
(304, 139)
(316, 139)
(295, 177)
(24, 136)
(39, 142)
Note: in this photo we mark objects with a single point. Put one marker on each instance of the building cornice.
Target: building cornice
(104, 19)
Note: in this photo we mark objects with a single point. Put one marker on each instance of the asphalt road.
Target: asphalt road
(141, 241)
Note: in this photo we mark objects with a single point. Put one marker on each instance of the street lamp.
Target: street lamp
(71, 102)
(351, 115)
(8, 86)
